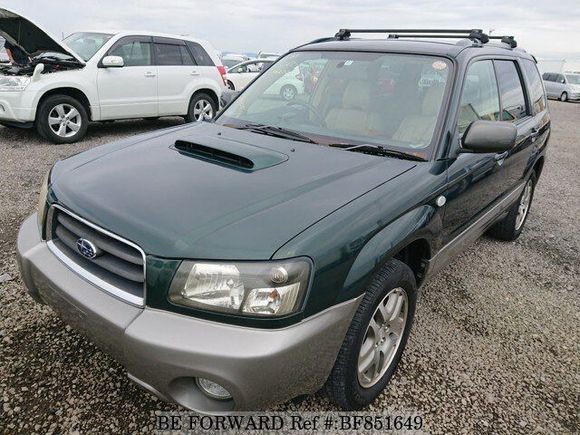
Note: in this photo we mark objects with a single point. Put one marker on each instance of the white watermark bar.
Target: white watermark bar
(289, 422)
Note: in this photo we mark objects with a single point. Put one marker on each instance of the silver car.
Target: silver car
(564, 86)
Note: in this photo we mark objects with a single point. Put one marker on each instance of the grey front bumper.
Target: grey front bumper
(164, 352)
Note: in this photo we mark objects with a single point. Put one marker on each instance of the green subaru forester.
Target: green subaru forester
(278, 249)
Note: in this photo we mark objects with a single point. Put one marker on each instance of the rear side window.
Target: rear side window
(133, 52)
(511, 92)
(480, 99)
(536, 87)
(199, 54)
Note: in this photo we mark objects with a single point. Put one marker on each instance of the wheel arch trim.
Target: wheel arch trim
(71, 91)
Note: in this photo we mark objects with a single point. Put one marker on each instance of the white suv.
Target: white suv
(98, 76)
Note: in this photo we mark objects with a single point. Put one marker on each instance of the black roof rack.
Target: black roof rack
(509, 40)
(475, 35)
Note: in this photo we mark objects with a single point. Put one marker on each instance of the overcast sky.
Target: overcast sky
(547, 28)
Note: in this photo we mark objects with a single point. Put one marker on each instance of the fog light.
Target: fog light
(213, 390)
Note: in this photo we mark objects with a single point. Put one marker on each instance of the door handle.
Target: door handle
(534, 134)
(194, 73)
(150, 74)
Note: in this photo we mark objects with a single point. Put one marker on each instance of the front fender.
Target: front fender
(82, 80)
(424, 222)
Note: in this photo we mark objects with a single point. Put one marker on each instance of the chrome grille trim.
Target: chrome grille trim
(84, 273)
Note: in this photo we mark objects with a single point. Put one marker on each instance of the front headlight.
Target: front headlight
(14, 83)
(42, 203)
(273, 288)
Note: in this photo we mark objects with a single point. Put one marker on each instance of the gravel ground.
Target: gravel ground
(495, 347)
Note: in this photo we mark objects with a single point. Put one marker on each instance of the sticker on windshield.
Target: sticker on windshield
(439, 65)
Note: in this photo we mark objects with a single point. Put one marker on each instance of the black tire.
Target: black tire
(47, 106)
(343, 386)
(508, 229)
(231, 85)
(198, 98)
(288, 92)
(564, 96)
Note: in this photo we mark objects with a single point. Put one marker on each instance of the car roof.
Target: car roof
(415, 46)
(122, 33)
(256, 61)
(246, 62)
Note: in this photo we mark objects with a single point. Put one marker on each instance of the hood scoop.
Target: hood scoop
(235, 155)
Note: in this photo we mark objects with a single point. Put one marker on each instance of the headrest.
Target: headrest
(432, 100)
(357, 95)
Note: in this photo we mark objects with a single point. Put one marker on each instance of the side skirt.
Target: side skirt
(472, 233)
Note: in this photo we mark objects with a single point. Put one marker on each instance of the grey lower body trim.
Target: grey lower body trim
(473, 232)
(164, 352)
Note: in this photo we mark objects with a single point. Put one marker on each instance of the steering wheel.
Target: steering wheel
(310, 109)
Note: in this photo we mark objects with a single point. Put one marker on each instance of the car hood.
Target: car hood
(29, 37)
(180, 204)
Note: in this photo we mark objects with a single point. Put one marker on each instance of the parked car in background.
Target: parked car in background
(281, 248)
(98, 76)
(238, 76)
(229, 60)
(563, 86)
(265, 55)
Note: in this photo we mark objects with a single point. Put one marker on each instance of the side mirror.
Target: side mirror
(562, 81)
(113, 62)
(489, 137)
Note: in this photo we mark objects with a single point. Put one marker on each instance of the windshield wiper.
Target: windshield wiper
(275, 131)
(377, 150)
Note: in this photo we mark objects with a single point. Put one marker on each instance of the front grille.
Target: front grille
(119, 265)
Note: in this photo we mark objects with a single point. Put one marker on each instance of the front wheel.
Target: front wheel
(510, 227)
(61, 119)
(376, 338)
(202, 107)
(564, 96)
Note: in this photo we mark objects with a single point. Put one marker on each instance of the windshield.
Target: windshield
(573, 79)
(87, 44)
(392, 100)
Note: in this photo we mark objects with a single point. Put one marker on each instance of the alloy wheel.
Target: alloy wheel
(288, 93)
(382, 337)
(64, 120)
(524, 205)
(202, 110)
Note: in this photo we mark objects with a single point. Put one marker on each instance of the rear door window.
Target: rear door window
(537, 96)
(168, 54)
(186, 57)
(480, 99)
(512, 97)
